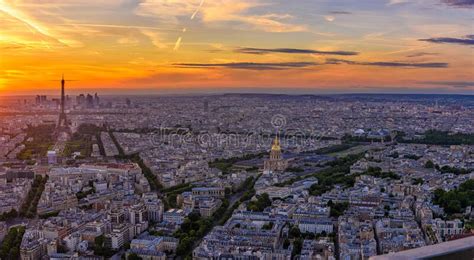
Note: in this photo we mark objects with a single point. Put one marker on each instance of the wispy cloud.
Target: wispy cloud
(221, 12)
(250, 65)
(329, 18)
(421, 54)
(17, 14)
(390, 64)
(294, 51)
(455, 84)
(340, 12)
(46, 36)
(119, 26)
(468, 40)
(155, 37)
(397, 2)
(459, 3)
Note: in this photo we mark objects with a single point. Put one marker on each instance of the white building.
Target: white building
(316, 225)
(174, 216)
(52, 157)
(448, 227)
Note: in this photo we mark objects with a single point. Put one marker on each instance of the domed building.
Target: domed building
(275, 163)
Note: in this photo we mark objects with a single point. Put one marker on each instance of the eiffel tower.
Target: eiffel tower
(63, 124)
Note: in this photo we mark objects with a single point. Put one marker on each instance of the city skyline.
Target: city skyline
(245, 46)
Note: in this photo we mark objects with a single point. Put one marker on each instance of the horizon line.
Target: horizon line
(247, 93)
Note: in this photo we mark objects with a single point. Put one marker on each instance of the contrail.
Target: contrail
(177, 44)
(180, 38)
(197, 9)
(120, 26)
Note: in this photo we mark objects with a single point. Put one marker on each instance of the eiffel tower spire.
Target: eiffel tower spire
(62, 122)
(62, 95)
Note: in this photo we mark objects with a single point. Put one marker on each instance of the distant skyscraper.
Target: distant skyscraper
(90, 101)
(80, 99)
(96, 100)
(206, 106)
(41, 99)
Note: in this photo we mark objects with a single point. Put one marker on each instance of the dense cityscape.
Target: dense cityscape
(235, 176)
(237, 130)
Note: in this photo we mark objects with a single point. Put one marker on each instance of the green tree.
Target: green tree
(455, 201)
(429, 165)
(295, 232)
(267, 226)
(194, 216)
(185, 245)
(297, 246)
(133, 256)
(417, 181)
(338, 209)
(263, 201)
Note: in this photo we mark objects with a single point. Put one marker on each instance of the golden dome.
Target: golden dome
(276, 145)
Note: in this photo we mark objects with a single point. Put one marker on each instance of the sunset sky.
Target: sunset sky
(154, 46)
